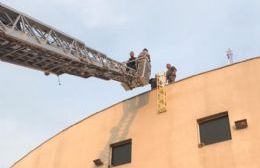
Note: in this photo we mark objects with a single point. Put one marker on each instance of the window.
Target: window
(121, 152)
(214, 129)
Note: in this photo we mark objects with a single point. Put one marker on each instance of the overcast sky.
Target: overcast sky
(191, 34)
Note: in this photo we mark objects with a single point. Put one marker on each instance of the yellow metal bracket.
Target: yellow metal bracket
(161, 93)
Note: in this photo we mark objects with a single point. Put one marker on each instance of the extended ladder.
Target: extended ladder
(27, 42)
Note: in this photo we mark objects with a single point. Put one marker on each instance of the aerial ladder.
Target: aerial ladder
(27, 42)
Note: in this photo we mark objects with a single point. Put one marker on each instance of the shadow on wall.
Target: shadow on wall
(120, 131)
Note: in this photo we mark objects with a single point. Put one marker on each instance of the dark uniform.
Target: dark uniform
(153, 83)
(171, 74)
(131, 63)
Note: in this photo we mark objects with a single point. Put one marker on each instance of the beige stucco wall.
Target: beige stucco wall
(170, 139)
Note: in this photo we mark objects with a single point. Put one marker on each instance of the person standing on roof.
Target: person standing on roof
(132, 61)
(171, 73)
(144, 54)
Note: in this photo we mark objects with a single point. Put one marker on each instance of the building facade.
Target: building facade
(212, 121)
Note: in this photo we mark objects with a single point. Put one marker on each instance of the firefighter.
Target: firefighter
(153, 83)
(171, 73)
(132, 61)
(144, 53)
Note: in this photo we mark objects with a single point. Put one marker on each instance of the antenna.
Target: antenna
(230, 56)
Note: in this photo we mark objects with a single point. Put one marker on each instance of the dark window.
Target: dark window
(214, 129)
(121, 152)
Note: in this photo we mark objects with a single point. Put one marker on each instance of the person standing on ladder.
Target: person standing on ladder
(144, 54)
(171, 73)
(132, 61)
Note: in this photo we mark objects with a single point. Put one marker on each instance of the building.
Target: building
(212, 121)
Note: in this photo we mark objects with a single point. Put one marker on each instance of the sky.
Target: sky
(193, 35)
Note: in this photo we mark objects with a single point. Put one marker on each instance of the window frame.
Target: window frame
(117, 144)
(212, 118)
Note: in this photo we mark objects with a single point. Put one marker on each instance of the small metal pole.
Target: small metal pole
(230, 56)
